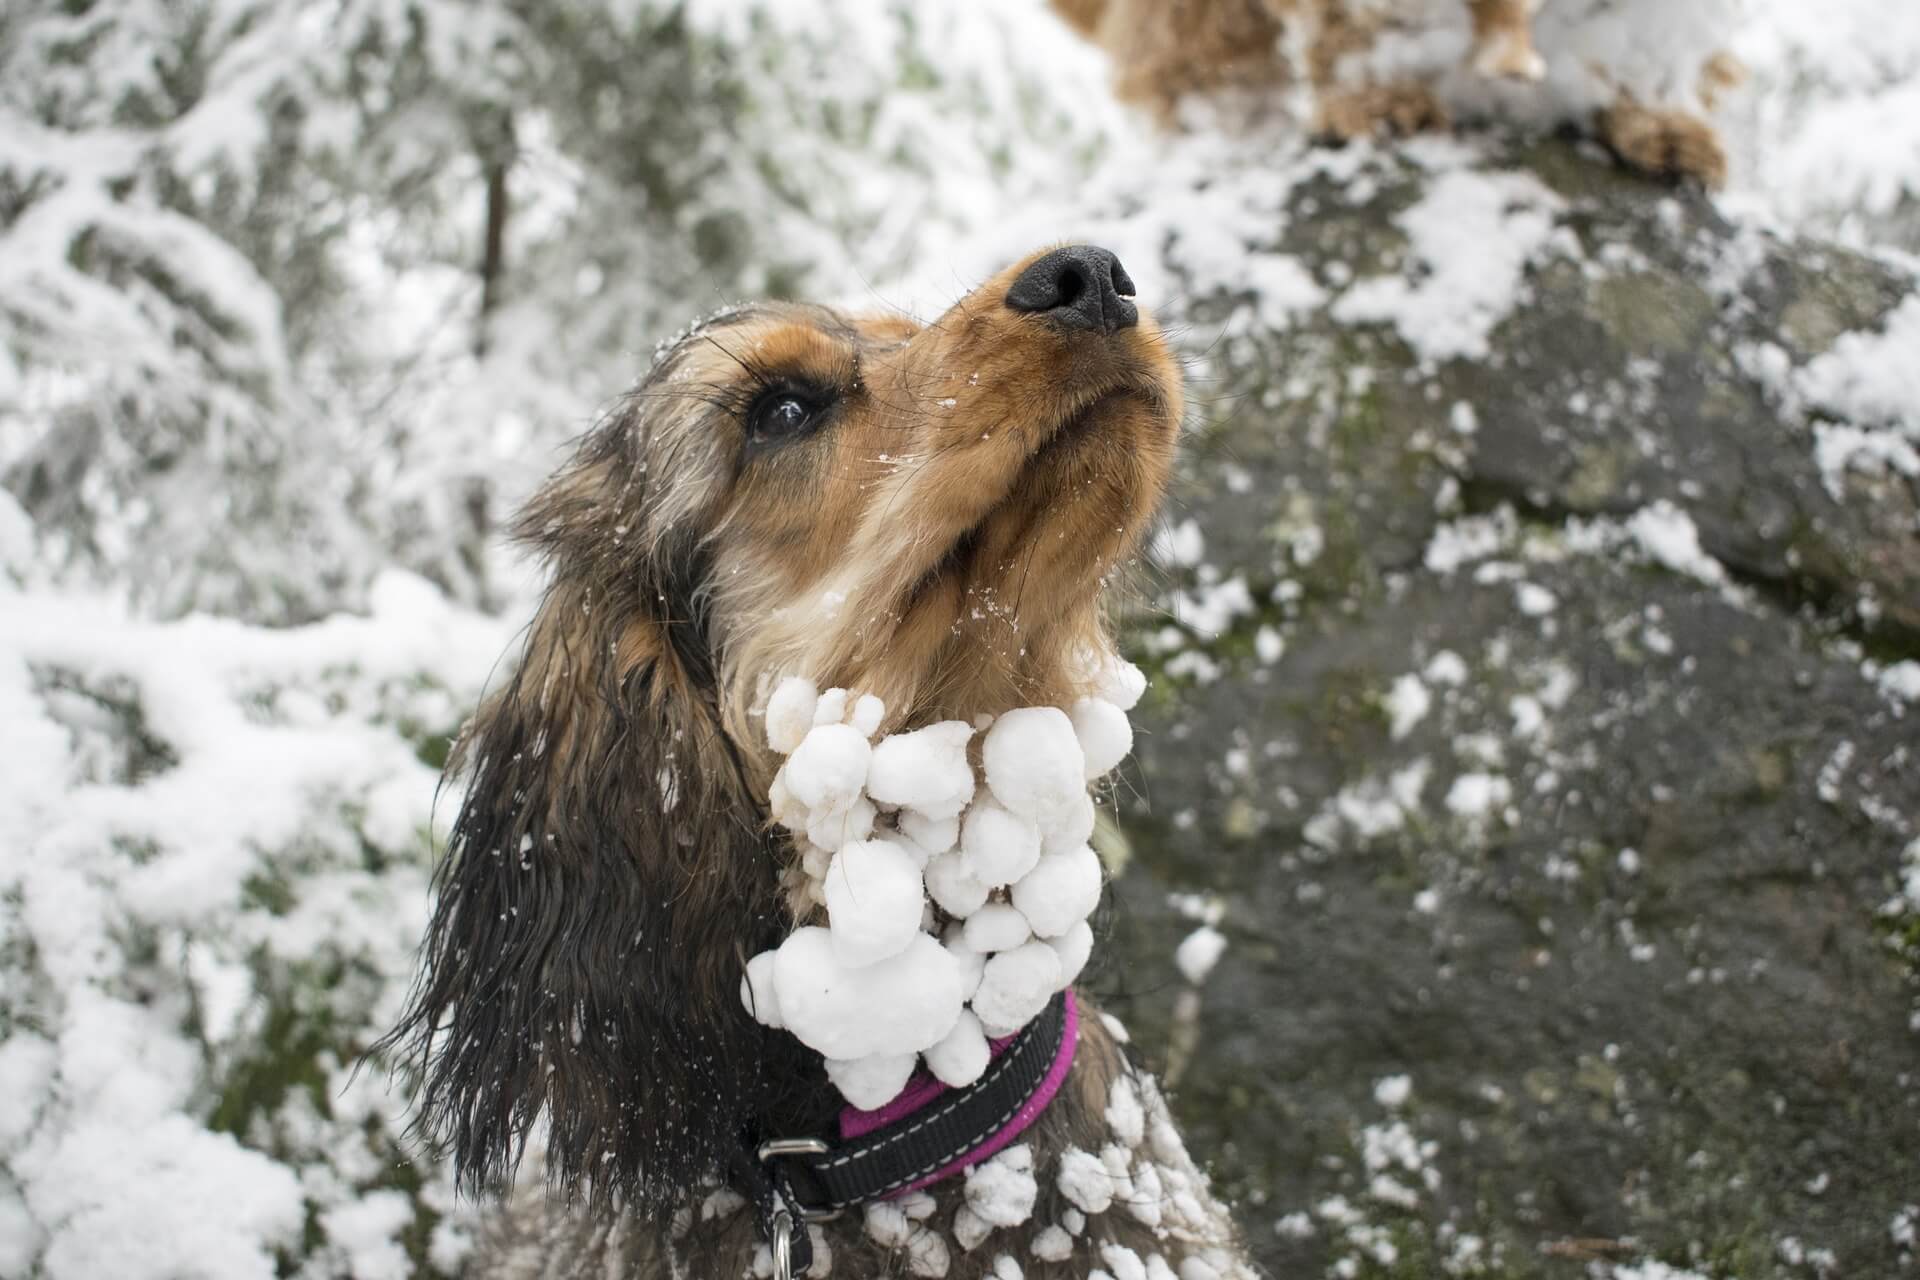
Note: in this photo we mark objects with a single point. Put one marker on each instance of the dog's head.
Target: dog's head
(926, 513)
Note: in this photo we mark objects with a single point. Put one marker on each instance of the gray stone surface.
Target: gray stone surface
(1649, 1003)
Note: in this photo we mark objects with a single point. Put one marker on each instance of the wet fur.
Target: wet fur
(943, 540)
(1165, 50)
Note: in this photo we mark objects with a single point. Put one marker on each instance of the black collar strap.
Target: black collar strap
(793, 1181)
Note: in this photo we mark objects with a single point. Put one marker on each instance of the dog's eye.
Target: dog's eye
(785, 413)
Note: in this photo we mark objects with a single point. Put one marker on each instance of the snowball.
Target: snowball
(786, 810)
(874, 895)
(831, 828)
(790, 713)
(1084, 1180)
(1147, 1200)
(1017, 985)
(925, 770)
(959, 1059)
(1105, 736)
(1073, 948)
(972, 963)
(1070, 830)
(935, 835)
(887, 1224)
(996, 927)
(928, 1256)
(1121, 683)
(1125, 1116)
(1052, 1244)
(832, 707)
(871, 1082)
(1033, 762)
(908, 1004)
(999, 846)
(868, 712)
(829, 767)
(1198, 952)
(1002, 1190)
(1060, 892)
(758, 993)
(970, 1230)
(955, 888)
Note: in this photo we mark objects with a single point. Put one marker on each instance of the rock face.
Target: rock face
(1536, 703)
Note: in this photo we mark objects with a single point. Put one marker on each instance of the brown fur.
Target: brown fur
(942, 539)
(1165, 50)
(1663, 142)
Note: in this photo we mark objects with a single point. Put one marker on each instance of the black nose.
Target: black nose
(1077, 288)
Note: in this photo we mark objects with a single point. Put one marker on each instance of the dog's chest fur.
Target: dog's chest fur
(1113, 1190)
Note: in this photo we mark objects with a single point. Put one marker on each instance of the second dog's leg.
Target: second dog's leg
(1664, 141)
(1503, 39)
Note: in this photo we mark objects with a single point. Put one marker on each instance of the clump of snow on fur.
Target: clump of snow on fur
(956, 889)
(962, 1055)
(790, 713)
(1002, 1190)
(998, 845)
(758, 993)
(827, 773)
(1119, 681)
(1104, 734)
(925, 770)
(1052, 1244)
(1073, 947)
(874, 896)
(872, 1081)
(836, 1010)
(1060, 892)
(897, 842)
(997, 926)
(1015, 986)
(1034, 763)
(1084, 1180)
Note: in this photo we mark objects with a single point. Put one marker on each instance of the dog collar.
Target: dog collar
(927, 1134)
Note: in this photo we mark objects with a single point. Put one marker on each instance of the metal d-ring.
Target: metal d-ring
(777, 1147)
(792, 1147)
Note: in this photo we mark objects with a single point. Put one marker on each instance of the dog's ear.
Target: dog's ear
(607, 876)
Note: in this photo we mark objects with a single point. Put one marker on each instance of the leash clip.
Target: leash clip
(782, 1245)
(778, 1147)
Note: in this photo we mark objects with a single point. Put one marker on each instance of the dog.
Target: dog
(1393, 66)
(928, 513)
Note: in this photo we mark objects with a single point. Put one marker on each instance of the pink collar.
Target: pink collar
(923, 1092)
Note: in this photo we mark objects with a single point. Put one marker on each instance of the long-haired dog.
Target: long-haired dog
(927, 513)
(1643, 74)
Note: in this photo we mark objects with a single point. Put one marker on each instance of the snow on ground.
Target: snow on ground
(216, 881)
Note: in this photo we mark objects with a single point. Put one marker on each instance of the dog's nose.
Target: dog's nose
(1081, 287)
